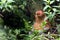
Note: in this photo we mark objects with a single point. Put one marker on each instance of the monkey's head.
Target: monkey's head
(39, 13)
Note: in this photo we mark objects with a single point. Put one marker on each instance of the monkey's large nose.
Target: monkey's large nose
(39, 13)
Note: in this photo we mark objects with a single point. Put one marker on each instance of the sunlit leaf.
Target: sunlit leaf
(9, 1)
(45, 8)
(56, 6)
(52, 2)
(11, 7)
(3, 1)
(54, 9)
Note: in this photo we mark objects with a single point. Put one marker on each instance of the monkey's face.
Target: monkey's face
(39, 13)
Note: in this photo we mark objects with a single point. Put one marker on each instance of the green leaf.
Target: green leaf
(58, 28)
(43, 24)
(54, 9)
(21, 6)
(1, 21)
(58, 38)
(11, 7)
(10, 1)
(51, 2)
(3, 1)
(17, 31)
(45, 8)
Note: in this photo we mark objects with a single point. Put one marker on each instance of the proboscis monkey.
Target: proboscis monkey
(39, 19)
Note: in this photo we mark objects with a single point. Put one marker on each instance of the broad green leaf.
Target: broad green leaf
(45, 8)
(52, 2)
(54, 9)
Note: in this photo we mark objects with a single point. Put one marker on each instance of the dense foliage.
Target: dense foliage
(17, 18)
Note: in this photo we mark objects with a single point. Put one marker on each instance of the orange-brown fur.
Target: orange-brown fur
(39, 19)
